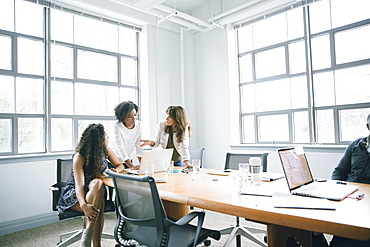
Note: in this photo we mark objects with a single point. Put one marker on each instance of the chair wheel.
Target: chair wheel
(207, 242)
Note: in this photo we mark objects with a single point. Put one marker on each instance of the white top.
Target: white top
(161, 138)
(126, 140)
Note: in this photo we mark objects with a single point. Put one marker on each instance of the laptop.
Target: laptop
(300, 181)
(158, 157)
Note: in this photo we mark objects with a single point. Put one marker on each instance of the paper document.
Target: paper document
(282, 200)
(271, 176)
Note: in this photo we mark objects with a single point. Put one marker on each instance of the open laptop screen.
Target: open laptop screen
(295, 166)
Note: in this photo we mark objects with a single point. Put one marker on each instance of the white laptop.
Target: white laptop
(300, 180)
(158, 157)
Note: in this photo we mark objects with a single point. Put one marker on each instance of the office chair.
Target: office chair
(141, 216)
(64, 168)
(197, 153)
(236, 231)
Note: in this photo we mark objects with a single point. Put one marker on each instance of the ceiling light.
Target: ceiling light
(166, 18)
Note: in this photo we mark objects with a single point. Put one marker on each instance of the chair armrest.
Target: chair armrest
(55, 196)
(187, 218)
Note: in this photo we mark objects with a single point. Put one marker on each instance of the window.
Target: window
(93, 66)
(295, 89)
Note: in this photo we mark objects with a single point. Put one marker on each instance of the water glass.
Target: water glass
(244, 170)
(196, 166)
(238, 181)
(149, 169)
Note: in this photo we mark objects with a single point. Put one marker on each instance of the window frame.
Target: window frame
(47, 78)
(309, 73)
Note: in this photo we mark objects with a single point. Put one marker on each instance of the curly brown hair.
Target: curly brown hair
(92, 147)
(182, 121)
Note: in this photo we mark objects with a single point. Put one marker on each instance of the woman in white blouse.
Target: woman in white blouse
(174, 132)
(127, 133)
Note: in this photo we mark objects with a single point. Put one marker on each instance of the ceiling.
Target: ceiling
(196, 15)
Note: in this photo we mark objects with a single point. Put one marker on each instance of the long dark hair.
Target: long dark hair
(124, 108)
(92, 147)
(182, 121)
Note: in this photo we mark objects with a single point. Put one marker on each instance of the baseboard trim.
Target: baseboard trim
(27, 223)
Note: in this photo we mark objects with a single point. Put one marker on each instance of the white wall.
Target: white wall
(213, 119)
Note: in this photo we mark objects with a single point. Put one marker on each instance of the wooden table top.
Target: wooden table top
(213, 192)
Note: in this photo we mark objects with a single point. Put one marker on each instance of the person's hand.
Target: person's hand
(118, 169)
(90, 211)
(146, 143)
(187, 164)
(135, 167)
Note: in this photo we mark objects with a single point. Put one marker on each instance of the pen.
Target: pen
(304, 208)
(255, 194)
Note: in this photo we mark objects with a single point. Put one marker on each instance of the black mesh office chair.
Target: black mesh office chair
(64, 168)
(141, 216)
(236, 231)
(197, 153)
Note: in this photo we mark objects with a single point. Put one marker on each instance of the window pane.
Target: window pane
(61, 61)
(324, 91)
(321, 52)
(96, 66)
(62, 97)
(325, 126)
(5, 135)
(276, 101)
(248, 98)
(248, 129)
(127, 41)
(352, 45)
(320, 16)
(61, 134)
(128, 94)
(61, 26)
(301, 128)
(295, 23)
(344, 13)
(270, 31)
(7, 94)
(297, 57)
(7, 15)
(100, 100)
(129, 71)
(270, 63)
(352, 85)
(353, 124)
(298, 87)
(29, 18)
(245, 39)
(95, 33)
(6, 52)
(30, 95)
(245, 68)
(108, 125)
(274, 128)
(30, 56)
(30, 135)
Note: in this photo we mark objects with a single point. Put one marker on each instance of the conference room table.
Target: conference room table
(351, 217)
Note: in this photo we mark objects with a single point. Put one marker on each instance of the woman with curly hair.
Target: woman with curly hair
(127, 133)
(174, 132)
(84, 191)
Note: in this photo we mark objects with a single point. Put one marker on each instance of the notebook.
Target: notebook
(158, 157)
(300, 181)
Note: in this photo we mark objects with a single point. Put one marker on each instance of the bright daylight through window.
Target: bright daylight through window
(93, 65)
(304, 74)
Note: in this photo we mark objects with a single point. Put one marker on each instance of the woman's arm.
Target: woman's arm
(115, 161)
